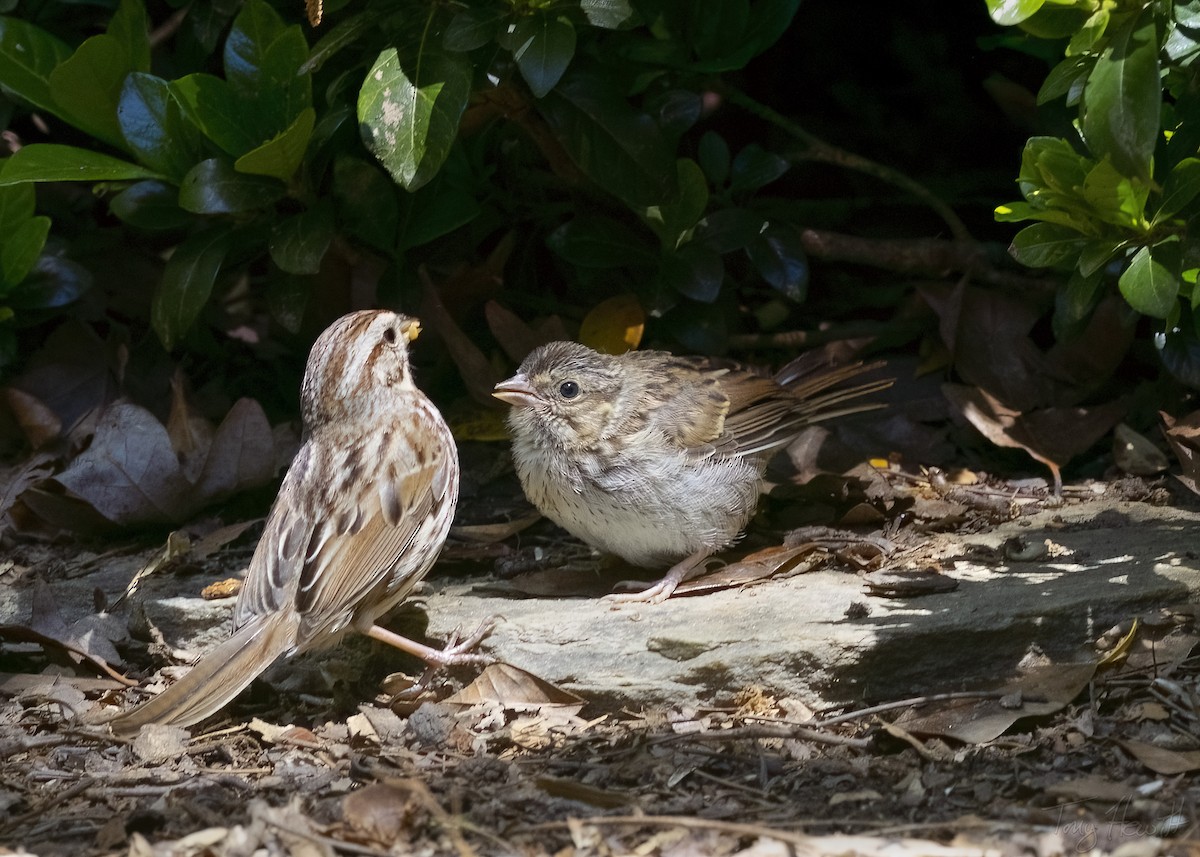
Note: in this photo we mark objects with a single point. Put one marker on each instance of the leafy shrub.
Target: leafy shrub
(1119, 199)
(261, 166)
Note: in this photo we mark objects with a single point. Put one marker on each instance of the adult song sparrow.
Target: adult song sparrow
(656, 458)
(361, 516)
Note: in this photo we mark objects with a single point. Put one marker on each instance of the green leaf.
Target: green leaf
(298, 243)
(621, 151)
(367, 207)
(215, 187)
(281, 156)
(1148, 285)
(17, 204)
(50, 162)
(780, 258)
(1180, 189)
(1090, 33)
(283, 88)
(675, 217)
(20, 249)
(1115, 198)
(87, 86)
(1074, 304)
(609, 14)
(1013, 212)
(676, 110)
(695, 272)
(155, 128)
(714, 157)
(1097, 254)
(1045, 245)
(755, 167)
(409, 112)
(1067, 78)
(152, 205)
(253, 31)
(713, 29)
(433, 211)
(593, 241)
(730, 229)
(473, 28)
(543, 47)
(130, 26)
(53, 282)
(213, 107)
(28, 55)
(1009, 12)
(1123, 98)
(287, 299)
(187, 283)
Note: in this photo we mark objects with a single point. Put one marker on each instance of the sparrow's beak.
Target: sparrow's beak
(516, 391)
(410, 328)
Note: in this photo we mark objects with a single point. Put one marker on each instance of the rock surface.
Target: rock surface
(794, 637)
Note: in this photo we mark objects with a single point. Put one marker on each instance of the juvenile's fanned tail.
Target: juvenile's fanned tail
(218, 677)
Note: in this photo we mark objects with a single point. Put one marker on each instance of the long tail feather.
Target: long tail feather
(217, 678)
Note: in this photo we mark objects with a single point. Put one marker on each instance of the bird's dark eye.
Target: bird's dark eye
(389, 335)
(568, 389)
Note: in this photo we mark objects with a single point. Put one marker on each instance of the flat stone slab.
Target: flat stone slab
(795, 636)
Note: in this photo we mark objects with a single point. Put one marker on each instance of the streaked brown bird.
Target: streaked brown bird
(361, 516)
(656, 458)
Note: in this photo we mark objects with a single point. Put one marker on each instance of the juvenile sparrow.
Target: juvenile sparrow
(656, 458)
(361, 516)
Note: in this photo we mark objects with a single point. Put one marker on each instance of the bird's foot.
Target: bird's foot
(455, 653)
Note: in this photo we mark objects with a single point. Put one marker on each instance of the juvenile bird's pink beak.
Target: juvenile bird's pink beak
(516, 391)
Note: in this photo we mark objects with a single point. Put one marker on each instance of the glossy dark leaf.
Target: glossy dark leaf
(433, 211)
(54, 282)
(1151, 282)
(730, 229)
(1074, 304)
(1045, 245)
(622, 151)
(28, 55)
(154, 127)
(215, 187)
(754, 167)
(280, 156)
(543, 46)
(592, 241)
(87, 87)
(51, 162)
(608, 14)
(695, 272)
(1182, 186)
(254, 29)
(714, 157)
(17, 204)
(677, 110)
(298, 243)
(218, 111)
(150, 205)
(366, 201)
(20, 248)
(187, 283)
(780, 258)
(408, 112)
(472, 28)
(1124, 96)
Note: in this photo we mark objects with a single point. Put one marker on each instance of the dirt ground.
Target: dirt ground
(323, 759)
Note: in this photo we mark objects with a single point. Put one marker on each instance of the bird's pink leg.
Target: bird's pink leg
(456, 652)
(656, 593)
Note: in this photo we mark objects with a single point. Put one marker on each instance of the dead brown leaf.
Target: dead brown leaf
(760, 565)
(514, 688)
(1163, 760)
(1042, 690)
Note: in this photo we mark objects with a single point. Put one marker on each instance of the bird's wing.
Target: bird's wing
(339, 539)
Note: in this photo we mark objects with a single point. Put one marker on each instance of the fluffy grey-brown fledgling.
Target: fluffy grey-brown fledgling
(656, 458)
(361, 516)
